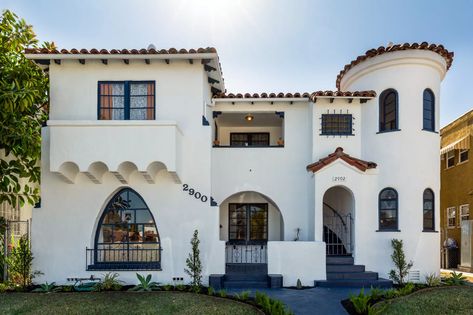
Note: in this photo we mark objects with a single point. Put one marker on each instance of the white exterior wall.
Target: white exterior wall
(66, 223)
(278, 173)
(407, 159)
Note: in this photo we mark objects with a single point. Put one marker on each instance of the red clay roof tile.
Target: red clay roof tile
(339, 154)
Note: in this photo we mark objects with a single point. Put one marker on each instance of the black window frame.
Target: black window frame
(126, 97)
(250, 136)
(124, 264)
(428, 110)
(382, 111)
(424, 210)
(347, 125)
(380, 209)
(248, 225)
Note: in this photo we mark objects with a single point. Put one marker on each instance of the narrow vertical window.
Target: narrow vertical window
(388, 111)
(388, 210)
(451, 217)
(428, 211)
(429, 110)
(464, 213)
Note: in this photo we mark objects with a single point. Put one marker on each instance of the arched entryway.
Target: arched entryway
(338, 210)
(248, 220)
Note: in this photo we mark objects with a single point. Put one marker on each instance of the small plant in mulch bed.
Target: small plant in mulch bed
(47, 288)
(399, 274)
(271, 306)
(110, 282)
(145, 285)
(455, 279)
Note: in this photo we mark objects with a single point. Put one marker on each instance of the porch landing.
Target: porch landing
(245, 276)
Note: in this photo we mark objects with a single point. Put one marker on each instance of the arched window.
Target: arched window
(429, 110)
(388, 209)
(388, 111)
(126, 236)
(428, 213)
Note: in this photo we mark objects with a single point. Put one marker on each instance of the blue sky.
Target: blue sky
(270, 45)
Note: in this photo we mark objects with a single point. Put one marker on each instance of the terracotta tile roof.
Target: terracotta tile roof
(262, 95)
(142, 51)
(447, 55)
(312, 96)
(339, 154)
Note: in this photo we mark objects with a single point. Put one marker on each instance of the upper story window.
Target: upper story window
(388, 111)
(463, 156)
(428, 211)
(126, 100)
(388, 209)
(249, 139)
(429, 110)
(450, 159)
(337, 125)
(451, 216)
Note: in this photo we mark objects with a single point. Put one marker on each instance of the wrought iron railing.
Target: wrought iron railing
(246, 254)
(123, 258)
(338, 234)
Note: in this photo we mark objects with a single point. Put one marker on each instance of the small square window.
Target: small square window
(450, 159)
(463, 156)
(337, 125)
(451, 217)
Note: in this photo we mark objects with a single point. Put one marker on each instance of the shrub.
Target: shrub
(399, 259)
(167, 287)
(391, 294)
(145, 284)
(222, 293)
(20, 263)
(210, 291)
(455, 279)
(47, 288)
(4, 287)
(194, 266)
(244, 295)
(3, 226)
(407, 289)
(432, 280)
(110, 282)
(270, 306)
(181, 287)
(360, 302)
(67, 288)
(376, 294)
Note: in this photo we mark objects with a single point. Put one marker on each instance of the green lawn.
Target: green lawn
(453, 300)
(120, 303)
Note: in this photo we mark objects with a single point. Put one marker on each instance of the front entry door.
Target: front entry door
(248, 223)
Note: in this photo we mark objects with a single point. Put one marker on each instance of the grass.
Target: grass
(448, 300)
(120, 303)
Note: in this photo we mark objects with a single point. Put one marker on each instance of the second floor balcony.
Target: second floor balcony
(119, 147)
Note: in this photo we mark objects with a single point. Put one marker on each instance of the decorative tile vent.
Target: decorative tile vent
(414, 276)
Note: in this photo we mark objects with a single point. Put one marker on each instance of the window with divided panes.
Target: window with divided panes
(248, 223)
(337, 124)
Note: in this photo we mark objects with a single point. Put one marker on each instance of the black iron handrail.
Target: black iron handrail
(337, 214)
(123, 258)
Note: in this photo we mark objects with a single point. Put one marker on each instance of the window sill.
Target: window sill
(429, 231)
(460, 163)
(125, 266)
(428, 130)
(388, 131)
(388, 231)
(338, 135)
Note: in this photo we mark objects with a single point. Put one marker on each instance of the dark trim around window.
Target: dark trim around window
(383, 198)
(389, 98)
(428, 110)
(428, 196)
(245, 208)
(127, 96)
(336, 125)
(251, 140)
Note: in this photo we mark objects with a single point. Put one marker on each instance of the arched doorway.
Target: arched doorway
(338, 210)
(248, 220)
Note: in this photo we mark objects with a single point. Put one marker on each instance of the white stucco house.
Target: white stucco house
(142, 147)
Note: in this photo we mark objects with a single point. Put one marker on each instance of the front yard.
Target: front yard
(120, 303)
(448, 300)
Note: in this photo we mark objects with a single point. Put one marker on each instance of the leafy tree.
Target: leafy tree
(23, 99)
(20, 263)
(194, 266)
(401, 271)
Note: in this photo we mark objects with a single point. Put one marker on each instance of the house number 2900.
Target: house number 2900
(196, 194)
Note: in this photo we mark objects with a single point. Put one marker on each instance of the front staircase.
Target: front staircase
(239, 276)
(342, 272)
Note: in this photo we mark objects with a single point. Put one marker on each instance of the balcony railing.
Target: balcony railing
(246, 254)
(123, 259)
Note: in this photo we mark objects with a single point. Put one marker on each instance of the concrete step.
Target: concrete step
(367, 275)
(245, 284)
(380, 283)
(345, 268)
(340, 260)
(245, 277)
(246, 268)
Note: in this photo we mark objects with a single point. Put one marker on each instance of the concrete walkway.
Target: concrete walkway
(309, 301)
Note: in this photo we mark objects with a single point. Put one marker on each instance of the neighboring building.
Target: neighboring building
(143, 146)
(456, 172)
